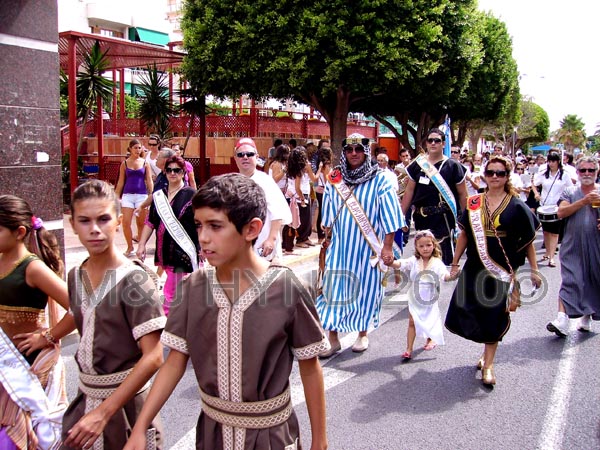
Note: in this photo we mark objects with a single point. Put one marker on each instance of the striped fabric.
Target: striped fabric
(352, 289)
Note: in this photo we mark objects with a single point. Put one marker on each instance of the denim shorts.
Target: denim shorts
(132, 200)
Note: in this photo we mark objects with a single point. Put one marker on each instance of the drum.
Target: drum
(548, 213)
(402, 180)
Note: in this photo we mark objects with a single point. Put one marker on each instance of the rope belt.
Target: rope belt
(257, 415)
(103, 386)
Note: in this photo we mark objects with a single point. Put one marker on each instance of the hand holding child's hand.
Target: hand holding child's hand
(454, 272)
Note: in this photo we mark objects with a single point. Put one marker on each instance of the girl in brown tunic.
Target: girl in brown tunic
(31, 368)
(119, 318)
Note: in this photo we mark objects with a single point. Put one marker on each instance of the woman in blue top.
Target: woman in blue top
(133, 187)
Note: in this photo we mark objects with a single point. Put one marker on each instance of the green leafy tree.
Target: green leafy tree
(532, 128)
(156, 108)
(492, 95)
(327, 54)
(571, 132)
(423, 101)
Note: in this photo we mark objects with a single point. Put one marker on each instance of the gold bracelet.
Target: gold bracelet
(48, 335)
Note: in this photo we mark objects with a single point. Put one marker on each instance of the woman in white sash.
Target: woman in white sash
(497, 230)
(32, 385)
(172, 216)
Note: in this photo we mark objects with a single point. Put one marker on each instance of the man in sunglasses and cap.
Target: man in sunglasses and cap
(268, 244)
(360, 215)
(437, 190)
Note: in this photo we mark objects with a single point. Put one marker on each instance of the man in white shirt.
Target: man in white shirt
(383, 161)
(268, 244)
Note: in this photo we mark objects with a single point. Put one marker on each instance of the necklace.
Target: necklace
(170, 193)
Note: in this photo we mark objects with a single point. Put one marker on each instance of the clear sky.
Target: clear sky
(555, 44)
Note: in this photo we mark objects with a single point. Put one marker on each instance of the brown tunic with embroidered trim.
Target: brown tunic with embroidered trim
(243, 352)
(110, 321)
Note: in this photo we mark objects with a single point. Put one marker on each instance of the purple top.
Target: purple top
(135, 180)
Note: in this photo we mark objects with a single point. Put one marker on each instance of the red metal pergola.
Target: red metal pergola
(121, 54)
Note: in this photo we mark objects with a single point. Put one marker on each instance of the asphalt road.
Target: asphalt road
(546, 397)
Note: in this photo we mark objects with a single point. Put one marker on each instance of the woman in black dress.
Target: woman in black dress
(497, 230)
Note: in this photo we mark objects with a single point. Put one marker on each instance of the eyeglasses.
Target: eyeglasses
(152, 145)
(586, 170)
(434, 140)
(498, 173)
(354, 148)
(246, 154)
(176, 170)
(454, 152)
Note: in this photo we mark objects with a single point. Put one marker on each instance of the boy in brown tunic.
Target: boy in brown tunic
(241, 322)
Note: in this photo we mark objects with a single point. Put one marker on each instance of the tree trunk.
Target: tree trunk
(83, 125)
(474, 137)
(189, 130)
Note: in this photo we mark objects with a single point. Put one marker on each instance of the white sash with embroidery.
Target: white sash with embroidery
(475, 217)
(174, 227)
(26, 391)
(438, 181)
(363, 224)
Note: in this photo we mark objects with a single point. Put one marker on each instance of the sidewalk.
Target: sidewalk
(75, 253)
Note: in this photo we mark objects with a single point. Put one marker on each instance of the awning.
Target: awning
(122, 53)
(139, 34)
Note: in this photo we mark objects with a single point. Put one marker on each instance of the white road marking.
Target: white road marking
(332, 377)
(552, 433)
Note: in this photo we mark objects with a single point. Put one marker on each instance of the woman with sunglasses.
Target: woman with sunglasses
(478, 308)
(525, 187)
(169, 254)
(553, 182)
(152, 156)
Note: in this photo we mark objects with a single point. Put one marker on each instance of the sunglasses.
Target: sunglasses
(357, 148)
(520, 168)
(152, 145)
(586, 170)
(454, 152)
(246, 154)
(434, 140)
(498, 173)
(176, 170)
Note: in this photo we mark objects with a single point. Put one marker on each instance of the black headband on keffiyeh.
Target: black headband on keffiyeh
(361, 174)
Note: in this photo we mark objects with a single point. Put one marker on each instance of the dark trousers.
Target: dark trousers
(320, 232)
(447, 252)
(407, 219)
(305, 228)
(288, 234)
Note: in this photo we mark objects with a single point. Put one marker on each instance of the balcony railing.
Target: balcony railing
(252, 122)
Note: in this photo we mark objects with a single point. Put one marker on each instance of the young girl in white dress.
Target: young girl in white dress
(425, 269)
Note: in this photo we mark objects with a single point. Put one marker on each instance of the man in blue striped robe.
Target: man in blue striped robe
(352, 286)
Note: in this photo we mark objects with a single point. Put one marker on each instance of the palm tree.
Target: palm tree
(571, 132)
(156, 109)
(91, 85)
